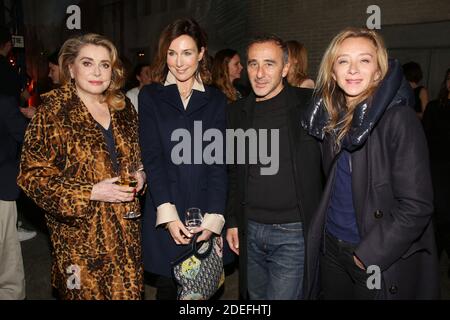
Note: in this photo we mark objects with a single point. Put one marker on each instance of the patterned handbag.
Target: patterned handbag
(199, 272)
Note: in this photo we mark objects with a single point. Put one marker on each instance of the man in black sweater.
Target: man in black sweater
(268, 212)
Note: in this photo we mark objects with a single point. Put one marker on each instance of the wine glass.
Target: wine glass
(193, 218)
(128, 178)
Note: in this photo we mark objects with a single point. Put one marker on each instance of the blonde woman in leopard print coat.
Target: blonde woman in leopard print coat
(69, 169)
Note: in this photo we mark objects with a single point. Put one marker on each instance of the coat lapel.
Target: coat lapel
(83, 123)
(360, 169)
(172, 97)
(124, 125)
(198, 100)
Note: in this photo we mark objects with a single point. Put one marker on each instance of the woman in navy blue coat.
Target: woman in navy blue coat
(174, 112)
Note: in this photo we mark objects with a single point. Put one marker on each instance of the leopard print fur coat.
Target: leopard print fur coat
(96, 253)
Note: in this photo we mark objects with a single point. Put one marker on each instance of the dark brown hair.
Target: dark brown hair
(299, 63)
(220, 74)
(180, 27)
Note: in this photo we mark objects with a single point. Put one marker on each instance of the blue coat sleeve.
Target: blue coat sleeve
(217, 172)
(152, 149)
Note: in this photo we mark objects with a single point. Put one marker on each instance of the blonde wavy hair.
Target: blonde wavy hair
(69, 52)
(327, 88)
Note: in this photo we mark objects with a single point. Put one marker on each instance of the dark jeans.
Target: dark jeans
(341, 278)
(275, 261)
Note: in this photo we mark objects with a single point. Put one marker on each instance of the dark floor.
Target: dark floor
(37, 261)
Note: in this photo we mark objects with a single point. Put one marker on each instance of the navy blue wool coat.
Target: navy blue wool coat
(186, 185)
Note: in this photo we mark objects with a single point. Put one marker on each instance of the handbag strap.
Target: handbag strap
(195, 246)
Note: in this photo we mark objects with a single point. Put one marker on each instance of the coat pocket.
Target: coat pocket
(416, 247)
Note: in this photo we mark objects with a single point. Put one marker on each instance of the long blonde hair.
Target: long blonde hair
(69, 52)
(327, 88)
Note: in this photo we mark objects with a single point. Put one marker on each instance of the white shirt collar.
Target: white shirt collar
(198, 85)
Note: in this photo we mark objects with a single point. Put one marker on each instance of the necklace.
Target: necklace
(185, 94)
(185, 89)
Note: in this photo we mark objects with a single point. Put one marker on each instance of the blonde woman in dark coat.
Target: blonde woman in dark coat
(372, 236)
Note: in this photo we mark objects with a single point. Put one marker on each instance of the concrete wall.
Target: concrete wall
(316, 22)
(414, 29)
(404, 23)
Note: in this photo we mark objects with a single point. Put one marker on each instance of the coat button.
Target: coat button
(393, 289)
(378, 214)
(243, 203)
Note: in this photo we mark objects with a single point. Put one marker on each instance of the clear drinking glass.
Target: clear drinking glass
(128, 178)
(193, 218)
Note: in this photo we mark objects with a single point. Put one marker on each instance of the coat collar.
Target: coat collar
(65, 103)
(391, 92)
(65, 100)
(199, 98)
(198, 84)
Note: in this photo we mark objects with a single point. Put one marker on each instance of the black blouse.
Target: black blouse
(109, 139)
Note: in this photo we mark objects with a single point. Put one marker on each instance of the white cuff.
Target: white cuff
(213, 222)
(165, 213)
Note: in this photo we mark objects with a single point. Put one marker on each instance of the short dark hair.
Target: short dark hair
(53, 57)
(412, 71)
(271, 37)
(138, 69)
(5, 35)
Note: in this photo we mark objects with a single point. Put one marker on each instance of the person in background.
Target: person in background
(53, 68)
(12, 130)
(9, 77)
(375, 215)
(179, 98)
(298, 65)
(436, 122)
(142, 75)
(77, 145)
(226, 69)
(10, 85)
(413, 73)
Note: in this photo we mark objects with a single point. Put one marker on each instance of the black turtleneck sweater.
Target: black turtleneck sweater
(272, 198)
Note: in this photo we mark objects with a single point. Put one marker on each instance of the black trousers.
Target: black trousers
(341, 278)
(166, 288)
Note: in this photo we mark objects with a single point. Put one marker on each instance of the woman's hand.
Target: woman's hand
(140, 177)
(107, 191)
(205, 233)
(358, 263)
(28, 112)
(178, 231)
